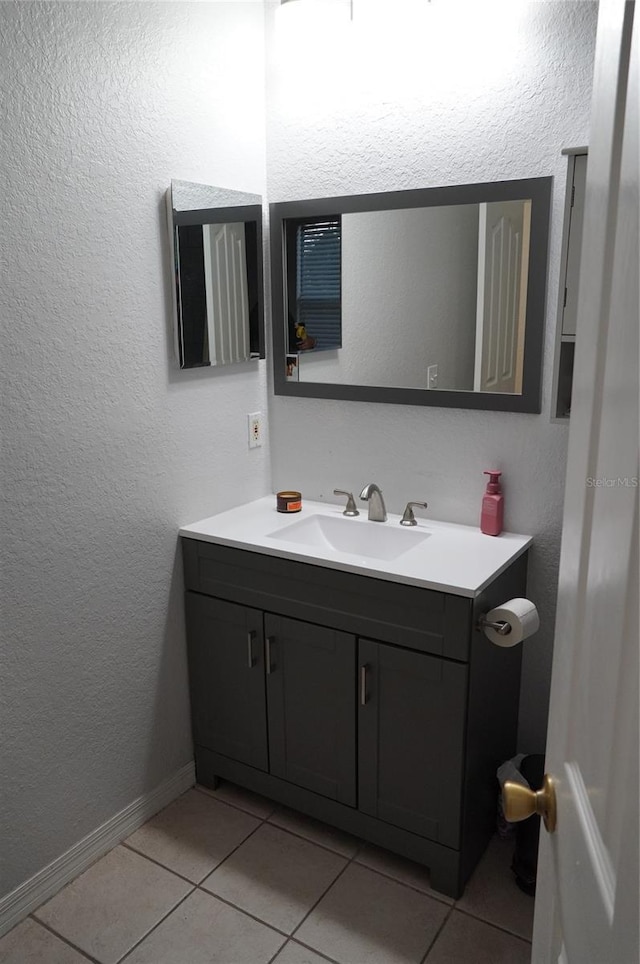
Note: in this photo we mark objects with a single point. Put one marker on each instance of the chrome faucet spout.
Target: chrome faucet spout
(377, 509)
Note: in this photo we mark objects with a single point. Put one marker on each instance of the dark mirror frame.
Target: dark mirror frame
(246, 213)
(537, 189)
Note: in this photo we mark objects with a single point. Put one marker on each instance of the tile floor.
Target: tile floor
(227, 877)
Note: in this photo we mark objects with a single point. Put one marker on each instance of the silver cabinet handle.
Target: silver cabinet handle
(268, 641)
(363, 685)
(251, 635)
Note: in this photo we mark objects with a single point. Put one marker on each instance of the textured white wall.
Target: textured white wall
(107, 448)
(461, 93)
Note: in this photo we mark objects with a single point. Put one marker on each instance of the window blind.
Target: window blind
(319, 281)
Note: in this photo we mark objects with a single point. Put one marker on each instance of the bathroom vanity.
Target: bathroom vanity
(354, 688)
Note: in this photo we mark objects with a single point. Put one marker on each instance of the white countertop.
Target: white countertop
(455, 558)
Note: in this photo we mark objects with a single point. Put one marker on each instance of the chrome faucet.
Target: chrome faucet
(377, 510)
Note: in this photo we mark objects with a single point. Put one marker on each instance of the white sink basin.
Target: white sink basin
(434, 555)
(373, 540)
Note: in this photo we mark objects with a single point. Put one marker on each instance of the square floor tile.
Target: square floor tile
(193, 834)
(113, 904)
(31, 943)
(464, 939)
(406, 871)
(275, 876)
(492, 894)
(315, 831)
(253, 803)
(203, 930)
(367, 917)
(294, 953)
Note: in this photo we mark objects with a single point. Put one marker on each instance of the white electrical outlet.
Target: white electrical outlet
(432, 376)
(254, 421)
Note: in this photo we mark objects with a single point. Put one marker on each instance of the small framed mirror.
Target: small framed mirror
(216, 259)
(426, 297)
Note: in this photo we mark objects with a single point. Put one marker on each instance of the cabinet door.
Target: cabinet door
(411, 740)
(312, 707)
(226, 672)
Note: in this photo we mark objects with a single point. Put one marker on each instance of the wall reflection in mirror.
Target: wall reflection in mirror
(216, 254)
(432, 298)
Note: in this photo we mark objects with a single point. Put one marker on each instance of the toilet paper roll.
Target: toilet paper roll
(522, 616)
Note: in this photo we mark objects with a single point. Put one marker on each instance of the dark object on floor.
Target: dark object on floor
(525, 858)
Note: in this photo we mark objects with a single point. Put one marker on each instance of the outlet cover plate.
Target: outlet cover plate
(254, 427)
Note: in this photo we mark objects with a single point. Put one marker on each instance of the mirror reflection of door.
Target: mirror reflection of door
(213, 293)
(503, 262)
(227, 297)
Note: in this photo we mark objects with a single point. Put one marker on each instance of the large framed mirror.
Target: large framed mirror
(424, 297)
(216, 261)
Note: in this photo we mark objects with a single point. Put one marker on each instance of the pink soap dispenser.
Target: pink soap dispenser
(492, 506)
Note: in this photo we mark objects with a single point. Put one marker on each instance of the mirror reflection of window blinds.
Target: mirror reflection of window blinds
(319, 281)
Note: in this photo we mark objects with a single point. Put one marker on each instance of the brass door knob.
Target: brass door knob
(520, 802)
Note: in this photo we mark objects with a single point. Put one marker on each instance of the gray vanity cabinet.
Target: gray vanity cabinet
(374, 706)
(311, 707)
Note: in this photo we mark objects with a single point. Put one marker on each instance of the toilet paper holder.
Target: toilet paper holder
(511, 623)
(501, 626)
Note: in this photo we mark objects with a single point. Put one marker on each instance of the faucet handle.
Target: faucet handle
(408, 519)
(350, 508)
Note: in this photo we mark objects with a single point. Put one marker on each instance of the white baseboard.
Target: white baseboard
(33, 892)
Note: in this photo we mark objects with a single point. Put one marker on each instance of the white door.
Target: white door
(503, 259)
(225, 273)
(587, 891)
